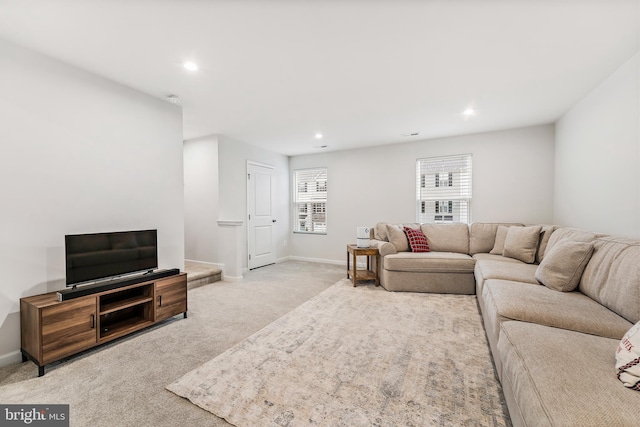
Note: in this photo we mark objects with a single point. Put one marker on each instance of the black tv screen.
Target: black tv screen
(91, 257)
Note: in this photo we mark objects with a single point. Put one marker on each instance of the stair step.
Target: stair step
(199, 274)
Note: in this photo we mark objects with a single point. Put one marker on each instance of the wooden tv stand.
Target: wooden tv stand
(52, 330)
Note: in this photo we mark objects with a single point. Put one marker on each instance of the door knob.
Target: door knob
(273, 220)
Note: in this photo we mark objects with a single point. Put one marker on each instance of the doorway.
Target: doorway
(261, 221)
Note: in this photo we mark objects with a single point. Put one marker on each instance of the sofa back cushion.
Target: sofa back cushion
(447, 237)
(545, 235)
(612, 276)
(482, 236)
(573, 234)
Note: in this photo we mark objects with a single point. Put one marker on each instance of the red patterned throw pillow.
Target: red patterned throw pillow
(417, 240)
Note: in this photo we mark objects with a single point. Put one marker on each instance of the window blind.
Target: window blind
(443, 189)
(310, 200)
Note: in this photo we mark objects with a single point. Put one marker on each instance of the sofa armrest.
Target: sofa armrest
(384, 248)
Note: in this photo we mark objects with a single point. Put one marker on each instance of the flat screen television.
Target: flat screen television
(92, 257)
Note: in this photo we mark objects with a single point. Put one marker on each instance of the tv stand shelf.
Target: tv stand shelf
(122, 328)
(119, 305)
(120, 299)
(52, 330)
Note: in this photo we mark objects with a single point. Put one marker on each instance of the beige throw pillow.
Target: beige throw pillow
(397, 238)
(562, 268)
(380, 232)
(522, 242)
(501, 235)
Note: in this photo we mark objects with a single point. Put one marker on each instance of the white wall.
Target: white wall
(512, 181)
(597, 157)
(79, 154)
(201, 199)
(232, 160)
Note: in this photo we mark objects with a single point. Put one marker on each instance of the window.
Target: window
(441, 206)
(441, 180)
(310, 200)
(443, 189)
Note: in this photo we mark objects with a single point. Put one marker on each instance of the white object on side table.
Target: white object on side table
(362, 237)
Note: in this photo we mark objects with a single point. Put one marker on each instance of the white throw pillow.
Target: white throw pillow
(628, 358)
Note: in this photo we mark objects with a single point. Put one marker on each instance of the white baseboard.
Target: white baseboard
(231, 278)
(318, 260)
(11, 358)
(361, 262)
(207, 264)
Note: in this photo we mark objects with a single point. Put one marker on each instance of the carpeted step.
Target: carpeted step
(199, 274)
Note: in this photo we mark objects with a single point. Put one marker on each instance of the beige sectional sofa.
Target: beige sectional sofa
(553, 346)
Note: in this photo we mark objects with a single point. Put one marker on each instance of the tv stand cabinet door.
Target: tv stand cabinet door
(68, 328)
(171, 297)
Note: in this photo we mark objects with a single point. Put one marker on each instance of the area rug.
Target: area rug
(357, 357)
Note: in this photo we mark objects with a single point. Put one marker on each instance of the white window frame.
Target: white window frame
(309, 205)
(444, 200)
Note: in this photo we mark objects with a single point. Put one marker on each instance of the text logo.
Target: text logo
(34, 415)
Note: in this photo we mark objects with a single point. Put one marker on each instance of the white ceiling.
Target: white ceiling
(275, 72)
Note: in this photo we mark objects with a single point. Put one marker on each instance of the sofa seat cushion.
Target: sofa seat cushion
(556, 377)
(495, 269)
(516, 271)
(430, 262)
(494, 257)
(507, 300)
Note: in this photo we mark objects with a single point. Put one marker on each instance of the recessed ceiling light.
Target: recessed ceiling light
(191, 66)
(318, 136)
(175, 99)
(469, 112)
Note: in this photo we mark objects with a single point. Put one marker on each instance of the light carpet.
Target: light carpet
(357, 357)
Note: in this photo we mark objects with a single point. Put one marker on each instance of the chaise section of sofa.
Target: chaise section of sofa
(438, 272)
(558, 377)
(446, 268)
(554, 351)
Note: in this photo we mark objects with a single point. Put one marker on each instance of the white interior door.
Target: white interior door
(261, 221)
